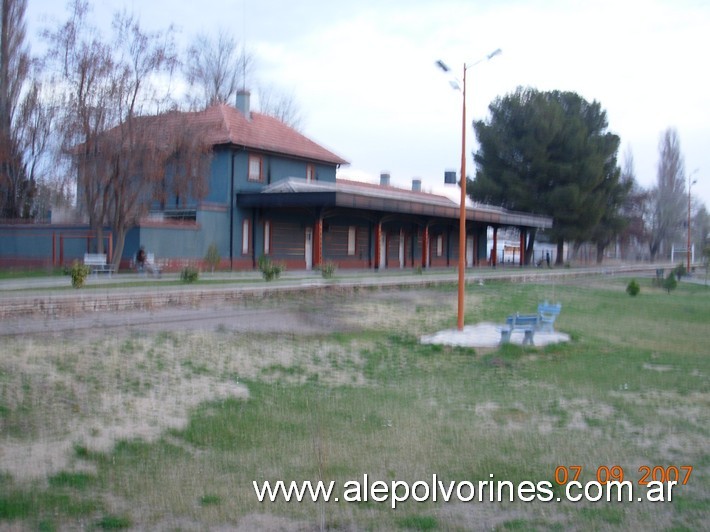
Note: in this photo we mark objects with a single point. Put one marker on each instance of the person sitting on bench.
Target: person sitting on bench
(140, 260)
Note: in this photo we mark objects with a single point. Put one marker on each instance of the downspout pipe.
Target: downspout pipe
(231, 214)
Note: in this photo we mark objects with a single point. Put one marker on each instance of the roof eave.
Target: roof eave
(354, 200)
(335, 161)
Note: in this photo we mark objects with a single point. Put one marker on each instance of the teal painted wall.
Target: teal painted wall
(213, 226)
(187, 241)
(178, 240)
(220, 176)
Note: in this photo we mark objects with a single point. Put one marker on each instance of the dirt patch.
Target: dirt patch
(92, 380)
(91, 396)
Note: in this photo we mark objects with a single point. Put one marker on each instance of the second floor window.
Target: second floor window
(310, 173)
(255, 168)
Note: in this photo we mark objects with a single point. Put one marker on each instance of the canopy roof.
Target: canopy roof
(297, 192)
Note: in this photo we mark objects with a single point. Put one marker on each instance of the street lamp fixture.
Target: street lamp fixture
(462, 209)
(690, 184)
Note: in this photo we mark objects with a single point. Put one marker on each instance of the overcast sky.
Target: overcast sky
(363, 72)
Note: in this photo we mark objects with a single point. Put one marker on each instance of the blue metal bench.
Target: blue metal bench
(547, 314)
(543, 321)
(527, 323)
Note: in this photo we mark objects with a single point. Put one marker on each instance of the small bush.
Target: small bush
(210, 500)
(80, 481)
(680, 271)
(212, 257)
(269, 269)
(419, 522)
(670, 283)
(189, 274)
(327, 269)
(79, 272)
(633, 288)
(114, 522)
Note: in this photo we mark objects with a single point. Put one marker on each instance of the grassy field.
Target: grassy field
(168, 431)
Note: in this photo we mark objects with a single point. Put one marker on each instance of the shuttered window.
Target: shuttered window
(352, 235)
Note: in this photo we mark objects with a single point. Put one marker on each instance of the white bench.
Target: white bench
(151, 266)
(97, 263)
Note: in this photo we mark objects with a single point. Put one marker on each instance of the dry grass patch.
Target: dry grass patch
(58, 395)
(194, 417)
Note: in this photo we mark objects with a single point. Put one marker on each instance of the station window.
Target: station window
(256, 168)
(352, 233)
(245, 237)
(267, 237)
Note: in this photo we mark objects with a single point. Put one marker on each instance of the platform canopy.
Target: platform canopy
(296, 192)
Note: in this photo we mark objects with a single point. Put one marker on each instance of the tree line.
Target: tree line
(551, 153)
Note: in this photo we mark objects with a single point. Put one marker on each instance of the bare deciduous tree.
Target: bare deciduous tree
(666, 213)
(700, 228)
(218, 68)
(125, 154)
(280, 105)
(149, 159)
(34, 130)
(84, 65)
(634, 236)
(14, 70)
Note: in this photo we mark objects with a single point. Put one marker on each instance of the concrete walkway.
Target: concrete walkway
(488, 335)
(54, 296)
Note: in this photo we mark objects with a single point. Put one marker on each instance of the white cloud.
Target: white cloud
(363, 71)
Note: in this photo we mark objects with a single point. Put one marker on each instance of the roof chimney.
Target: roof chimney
(417, 185)
(385, 179)
(243, 103)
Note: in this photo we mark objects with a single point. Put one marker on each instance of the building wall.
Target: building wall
(181, 243)
(220, 177)
(46, 245)
(177, 243)
(274, 169)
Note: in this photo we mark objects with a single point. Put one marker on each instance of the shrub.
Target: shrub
(670, 283)
(633, 288)
(269, 269)
(79, 272)
(212, 257)
(114, 522)
(189, 274)
(680, 271)
(327, 269)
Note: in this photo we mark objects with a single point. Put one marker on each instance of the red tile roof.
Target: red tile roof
(227, 125)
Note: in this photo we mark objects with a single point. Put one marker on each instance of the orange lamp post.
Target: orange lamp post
(462, 207)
